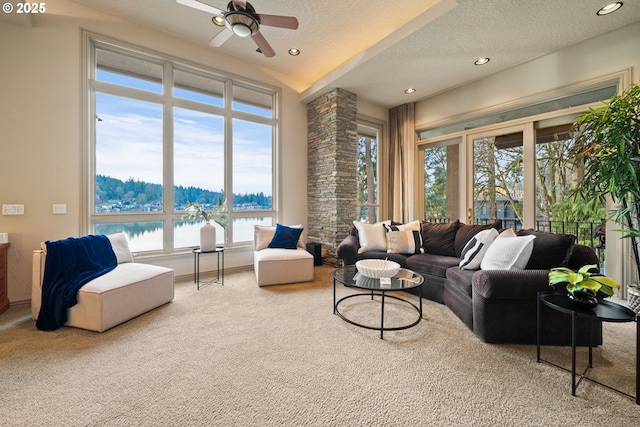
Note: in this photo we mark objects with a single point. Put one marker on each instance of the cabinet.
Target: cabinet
(4, 297)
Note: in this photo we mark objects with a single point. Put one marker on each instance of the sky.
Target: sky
(129, 143)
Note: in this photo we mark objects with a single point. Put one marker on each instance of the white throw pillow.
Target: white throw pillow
(404, 242)
(508, 252)
(404, 238)
(263, 234)
(476, 248)
(415, 225)
(120, 246)
(372, 236)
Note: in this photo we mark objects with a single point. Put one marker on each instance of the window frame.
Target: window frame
(90, 86)
(381, 171)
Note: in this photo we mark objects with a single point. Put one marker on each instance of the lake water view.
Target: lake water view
(148, 236)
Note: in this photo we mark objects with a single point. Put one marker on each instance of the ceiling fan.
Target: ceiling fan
(241, 19)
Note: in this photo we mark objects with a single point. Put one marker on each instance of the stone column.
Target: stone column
(332, 178)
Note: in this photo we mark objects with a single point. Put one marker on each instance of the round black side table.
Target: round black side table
(605, 311)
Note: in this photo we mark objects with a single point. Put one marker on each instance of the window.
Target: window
(368, 201)
(498, 179)
(441, 182)
(163, 133)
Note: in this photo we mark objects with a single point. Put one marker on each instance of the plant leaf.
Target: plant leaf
(585, 269)
(606, 281)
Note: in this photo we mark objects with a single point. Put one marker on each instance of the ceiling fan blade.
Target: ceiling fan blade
(241, 3)
(220, 38)
(264, 46)
(278, 21)
(200, 5)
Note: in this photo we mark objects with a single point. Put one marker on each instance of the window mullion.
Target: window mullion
(167, 144)
(228, 157)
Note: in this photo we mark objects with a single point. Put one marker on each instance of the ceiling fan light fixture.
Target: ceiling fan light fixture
(610, 8)
(218, 20)
(242, 24)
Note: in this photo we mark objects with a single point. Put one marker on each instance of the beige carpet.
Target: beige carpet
(241, 355)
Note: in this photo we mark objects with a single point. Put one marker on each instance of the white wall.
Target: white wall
(603, 55)
(40, 128)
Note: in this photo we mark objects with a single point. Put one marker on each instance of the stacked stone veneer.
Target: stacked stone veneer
(332, 137)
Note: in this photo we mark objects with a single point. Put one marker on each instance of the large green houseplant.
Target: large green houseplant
(607, 145)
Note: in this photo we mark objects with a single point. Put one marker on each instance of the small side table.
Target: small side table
(196, 265)
(605, 311)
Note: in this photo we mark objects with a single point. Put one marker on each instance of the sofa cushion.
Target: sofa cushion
(476, 248)
(467, 231)
(508, 252)
(582, 255)
(371, 236)
(435, 265)
(439, 238)
(549, 249)
(285, 237)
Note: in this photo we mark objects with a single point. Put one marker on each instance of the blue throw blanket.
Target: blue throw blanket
(71, 263)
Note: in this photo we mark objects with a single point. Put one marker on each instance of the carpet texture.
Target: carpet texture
(240, 355)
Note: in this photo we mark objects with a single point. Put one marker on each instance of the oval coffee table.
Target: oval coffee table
(404, 280)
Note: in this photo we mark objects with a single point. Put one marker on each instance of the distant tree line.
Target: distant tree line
(140, 192)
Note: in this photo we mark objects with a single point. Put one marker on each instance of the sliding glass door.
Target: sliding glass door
(498, 179)
(523, 176)
(441, 179)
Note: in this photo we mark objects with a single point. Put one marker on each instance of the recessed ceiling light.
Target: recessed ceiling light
(410, 90)
(481, 61)
(294, 52)
(218, 20)
(610, 8)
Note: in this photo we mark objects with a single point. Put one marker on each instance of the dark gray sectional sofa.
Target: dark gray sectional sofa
(499, 306)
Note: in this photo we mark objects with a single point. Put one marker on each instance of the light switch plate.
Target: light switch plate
(12, 209)
(59, 208)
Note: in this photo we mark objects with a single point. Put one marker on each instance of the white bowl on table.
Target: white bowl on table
(377, 268)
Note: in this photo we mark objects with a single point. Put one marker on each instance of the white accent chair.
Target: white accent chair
(276, 266)
(123, 293)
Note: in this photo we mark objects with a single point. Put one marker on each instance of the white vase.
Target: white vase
(207, 238)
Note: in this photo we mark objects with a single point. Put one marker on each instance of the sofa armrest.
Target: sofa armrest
(510, 284)
(348, 249)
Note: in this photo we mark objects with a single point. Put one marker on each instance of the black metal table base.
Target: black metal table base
(383, 295)
(575, 314)
(196, 267)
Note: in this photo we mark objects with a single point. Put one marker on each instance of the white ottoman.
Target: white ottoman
(279, 266)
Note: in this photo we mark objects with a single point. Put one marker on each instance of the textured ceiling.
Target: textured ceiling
(378, 48)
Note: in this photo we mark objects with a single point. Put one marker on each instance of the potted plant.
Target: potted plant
(193, 211)
(607, 145)
(583, 285)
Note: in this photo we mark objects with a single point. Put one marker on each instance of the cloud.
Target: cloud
(129, 144)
